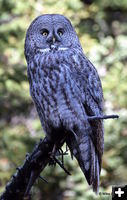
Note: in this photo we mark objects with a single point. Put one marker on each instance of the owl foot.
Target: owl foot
(52, 154)
(52, 162)
(62, 154)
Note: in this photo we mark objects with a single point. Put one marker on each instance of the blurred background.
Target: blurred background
(102, 28)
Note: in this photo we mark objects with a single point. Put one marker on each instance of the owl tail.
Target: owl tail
(82, 147)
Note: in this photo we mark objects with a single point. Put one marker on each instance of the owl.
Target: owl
(66, 90)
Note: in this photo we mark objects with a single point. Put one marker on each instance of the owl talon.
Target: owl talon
(51, 155)
(62, 154)
(52, 162)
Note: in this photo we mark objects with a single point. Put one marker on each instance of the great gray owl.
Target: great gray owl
(66, 91)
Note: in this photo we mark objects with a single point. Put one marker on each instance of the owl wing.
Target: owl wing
(93, 104)
(88, 81)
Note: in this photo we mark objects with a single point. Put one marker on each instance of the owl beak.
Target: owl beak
(54, 40)
(53, 47)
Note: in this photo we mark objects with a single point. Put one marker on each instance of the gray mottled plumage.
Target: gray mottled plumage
(66, 89)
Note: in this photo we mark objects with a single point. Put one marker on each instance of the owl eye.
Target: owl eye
(44, 32)
(60, 32)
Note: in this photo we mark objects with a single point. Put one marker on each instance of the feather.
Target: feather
(81, 146)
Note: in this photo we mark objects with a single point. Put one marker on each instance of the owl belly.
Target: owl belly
(62, 111)
(69, 105)
(62, 106)
(59, 100)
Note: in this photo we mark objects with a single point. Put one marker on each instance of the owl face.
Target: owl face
(50, 32)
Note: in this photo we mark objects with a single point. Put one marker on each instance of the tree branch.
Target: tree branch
(90, 118)
(21, 182)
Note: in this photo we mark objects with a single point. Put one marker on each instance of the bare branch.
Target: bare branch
(90, 118)
(20, 184)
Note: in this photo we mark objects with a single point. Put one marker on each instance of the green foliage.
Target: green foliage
(102, 29)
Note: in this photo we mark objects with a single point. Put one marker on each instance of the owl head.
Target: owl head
(50, 32)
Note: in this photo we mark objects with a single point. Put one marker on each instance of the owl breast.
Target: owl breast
(56, 94)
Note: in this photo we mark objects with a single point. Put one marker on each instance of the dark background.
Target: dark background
(102, 28)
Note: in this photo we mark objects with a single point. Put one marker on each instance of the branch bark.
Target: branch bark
(21, 182)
